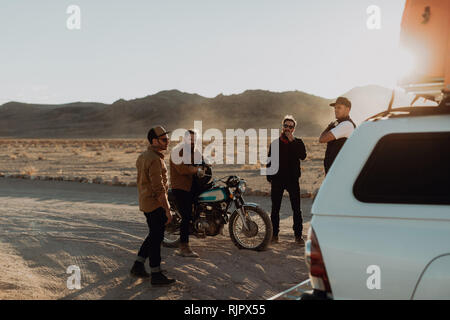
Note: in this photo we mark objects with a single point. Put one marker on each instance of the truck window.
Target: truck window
(407, 168)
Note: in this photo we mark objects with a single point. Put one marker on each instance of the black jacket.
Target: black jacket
(334, 146)
(290, 155)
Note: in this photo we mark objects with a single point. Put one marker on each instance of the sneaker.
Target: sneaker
(300, 241)
(186, 251)
(274, 239)
(159, 279)
(138, 270)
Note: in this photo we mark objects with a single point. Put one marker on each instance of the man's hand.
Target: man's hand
(168, 215)
(331, 126)
(166, 206)
(326, 137)
(290, 136)
(201, 172)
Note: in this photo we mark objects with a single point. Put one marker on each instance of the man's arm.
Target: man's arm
(164, 200)
(326, 137)
(184, 169)
(156, 180)
(301, 149)
(269, 163)
(343, 130)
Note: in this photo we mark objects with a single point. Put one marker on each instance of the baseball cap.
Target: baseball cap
(342, 100)
(156, 132)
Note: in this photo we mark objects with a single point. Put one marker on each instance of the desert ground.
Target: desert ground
(112, 161)
(49, 225)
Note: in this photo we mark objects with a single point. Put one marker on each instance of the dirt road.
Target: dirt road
(47, 226)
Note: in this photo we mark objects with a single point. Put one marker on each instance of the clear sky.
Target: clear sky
(129, 49)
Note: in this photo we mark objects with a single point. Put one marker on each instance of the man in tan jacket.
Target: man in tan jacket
(153, 187)
(183, 189)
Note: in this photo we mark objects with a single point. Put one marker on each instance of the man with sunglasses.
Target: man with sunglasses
(153, 187)
(291, 151)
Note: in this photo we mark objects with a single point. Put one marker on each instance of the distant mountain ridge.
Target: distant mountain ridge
(171, 108)
(175, 109)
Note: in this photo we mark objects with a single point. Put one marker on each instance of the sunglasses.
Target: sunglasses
(164, 139)
(288, 126)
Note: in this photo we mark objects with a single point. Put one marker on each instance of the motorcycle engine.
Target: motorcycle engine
(209, 221)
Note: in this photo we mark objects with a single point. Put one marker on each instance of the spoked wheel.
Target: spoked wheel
(172, 230)
(259, 229)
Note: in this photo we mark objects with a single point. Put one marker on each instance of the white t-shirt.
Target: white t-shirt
(343, 130)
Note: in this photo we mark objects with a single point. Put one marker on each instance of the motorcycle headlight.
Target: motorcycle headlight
(242, 186)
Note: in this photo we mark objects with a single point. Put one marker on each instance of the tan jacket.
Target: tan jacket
(180, 174)
(151, 179)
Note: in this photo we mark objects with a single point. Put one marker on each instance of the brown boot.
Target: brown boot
(274, 239)
(300, 241)
(185, 251)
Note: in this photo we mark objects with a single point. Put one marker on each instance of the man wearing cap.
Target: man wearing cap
(152, 188)
(337, 131)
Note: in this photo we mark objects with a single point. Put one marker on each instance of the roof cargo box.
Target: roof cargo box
(425, 35)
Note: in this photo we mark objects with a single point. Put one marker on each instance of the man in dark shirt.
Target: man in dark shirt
(291, 151)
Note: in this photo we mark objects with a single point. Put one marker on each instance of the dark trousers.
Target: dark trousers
(151, 247)
(293, 188)
(184, 201)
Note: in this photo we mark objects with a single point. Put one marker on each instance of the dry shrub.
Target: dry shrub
(251, 166)
(28, 170)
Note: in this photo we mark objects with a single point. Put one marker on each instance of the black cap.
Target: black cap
(342, 100)
(156, 132)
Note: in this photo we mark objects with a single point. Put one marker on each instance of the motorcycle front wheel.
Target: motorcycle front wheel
(259, 232)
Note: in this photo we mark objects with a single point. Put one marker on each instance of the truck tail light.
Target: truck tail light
(315, 263)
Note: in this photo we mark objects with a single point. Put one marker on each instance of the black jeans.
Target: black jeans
(184, 200)
(151, 247)
(293, 188)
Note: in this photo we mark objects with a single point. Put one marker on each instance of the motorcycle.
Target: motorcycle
(218, 203)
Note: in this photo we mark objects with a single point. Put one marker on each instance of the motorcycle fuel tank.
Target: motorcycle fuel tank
(213, 195)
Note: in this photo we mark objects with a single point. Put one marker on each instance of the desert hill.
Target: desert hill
(176, 109)
(173, 109)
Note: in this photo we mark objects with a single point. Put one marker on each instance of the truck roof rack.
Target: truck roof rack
(411, 111)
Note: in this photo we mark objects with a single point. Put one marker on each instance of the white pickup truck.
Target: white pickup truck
(381, 220)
